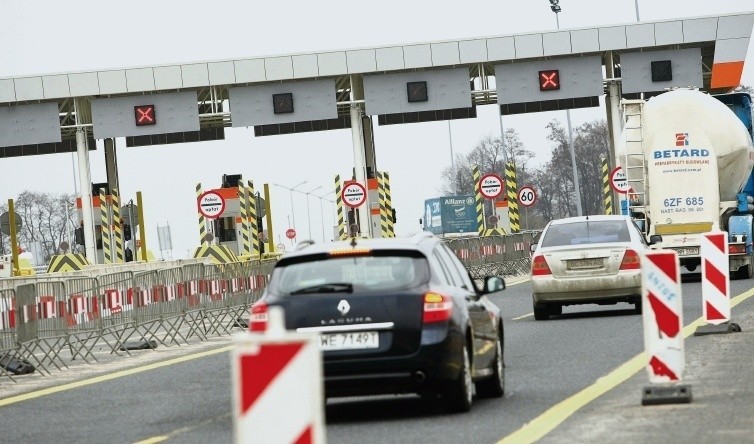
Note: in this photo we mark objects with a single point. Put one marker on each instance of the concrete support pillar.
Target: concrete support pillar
(111, 165)
(85, 184)
(359, 152)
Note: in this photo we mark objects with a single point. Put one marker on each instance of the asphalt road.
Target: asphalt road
(189, 402)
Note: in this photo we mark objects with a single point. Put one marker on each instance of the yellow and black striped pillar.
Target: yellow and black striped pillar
(342, 233)
(243, 209)
(384, 229)
(118, 228)
(606, 191)
(511, 188)
(202, 219)
(256, 246)
(107, 252)
(478, 198)
(389, 207)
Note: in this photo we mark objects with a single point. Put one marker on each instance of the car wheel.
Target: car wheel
(541, 312)
(457, 397)
(494, 387)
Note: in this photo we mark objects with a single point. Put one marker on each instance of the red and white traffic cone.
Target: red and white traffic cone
(663, 325)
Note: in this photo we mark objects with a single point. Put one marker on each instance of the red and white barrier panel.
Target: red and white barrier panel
(715, 278)
(662, 303)
(277, 374)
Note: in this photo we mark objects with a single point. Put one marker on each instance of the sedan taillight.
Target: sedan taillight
(258, 319)
(630, 260)
(437, 308)
(539, 266)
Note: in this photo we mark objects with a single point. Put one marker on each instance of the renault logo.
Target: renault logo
(343, 307)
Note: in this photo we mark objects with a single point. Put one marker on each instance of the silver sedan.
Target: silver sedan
(586, 260)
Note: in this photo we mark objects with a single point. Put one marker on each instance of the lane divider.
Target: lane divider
(540, 426)
(109, 376)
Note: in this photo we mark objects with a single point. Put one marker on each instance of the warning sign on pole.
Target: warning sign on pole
(354, 194)
(618, 180)
(277, 374)
(491, 186)
(211, 204)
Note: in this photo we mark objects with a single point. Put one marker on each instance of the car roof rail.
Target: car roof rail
(303, 244)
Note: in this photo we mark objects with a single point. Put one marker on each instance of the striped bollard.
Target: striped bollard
(662, 303)
(715, 285)
(277, 374)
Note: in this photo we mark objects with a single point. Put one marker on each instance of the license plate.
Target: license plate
(349, 341)
(687, 251)
(580, 264)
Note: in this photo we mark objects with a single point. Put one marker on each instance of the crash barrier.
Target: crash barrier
(47, 323)
(507, 255)
(662, 316)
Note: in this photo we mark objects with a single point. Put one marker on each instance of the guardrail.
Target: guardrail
(53, 320)
(50, 319)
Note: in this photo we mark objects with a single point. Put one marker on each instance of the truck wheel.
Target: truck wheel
(745, 272)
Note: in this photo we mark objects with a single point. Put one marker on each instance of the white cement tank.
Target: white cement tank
(677, 122)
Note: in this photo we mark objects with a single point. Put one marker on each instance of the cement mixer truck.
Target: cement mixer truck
(688, 160)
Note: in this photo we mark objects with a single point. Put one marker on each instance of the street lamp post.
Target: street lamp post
(321, 211)
(555, 7)
(291, 190)
(308, 219)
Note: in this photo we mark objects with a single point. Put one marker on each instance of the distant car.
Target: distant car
(394, 316)
(586, 260)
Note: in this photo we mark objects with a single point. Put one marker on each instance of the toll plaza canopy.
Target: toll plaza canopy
(441, 80)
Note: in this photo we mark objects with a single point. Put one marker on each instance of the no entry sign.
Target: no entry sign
(491, 186)
(211, 204)
(290, 233)
(354, 194)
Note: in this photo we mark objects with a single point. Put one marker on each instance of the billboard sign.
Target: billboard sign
(450, 215)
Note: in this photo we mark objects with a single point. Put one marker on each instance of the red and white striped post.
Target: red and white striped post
(277, 374)
(663, 324)
(715, 285)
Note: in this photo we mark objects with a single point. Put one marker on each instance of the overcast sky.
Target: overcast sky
(44, 37)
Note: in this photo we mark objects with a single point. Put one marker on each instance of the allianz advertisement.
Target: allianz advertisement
(450, 215)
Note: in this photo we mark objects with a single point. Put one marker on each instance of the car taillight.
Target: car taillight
(736, 248)
(630, 260)
(258, 319)
(539, 266)
(437, 308)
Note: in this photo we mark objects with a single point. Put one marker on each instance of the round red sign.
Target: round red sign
(290, 233)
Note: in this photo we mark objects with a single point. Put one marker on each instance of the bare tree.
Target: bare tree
(45, 218)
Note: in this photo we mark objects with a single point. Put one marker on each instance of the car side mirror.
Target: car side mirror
(532, 247)
(493, 284)
(655, 239)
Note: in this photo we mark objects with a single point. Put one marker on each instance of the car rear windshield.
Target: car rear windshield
(375, 271)
(586, 232)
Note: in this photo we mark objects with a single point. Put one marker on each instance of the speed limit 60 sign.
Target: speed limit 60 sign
(527, 196)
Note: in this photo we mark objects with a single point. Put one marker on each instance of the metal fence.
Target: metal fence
(53, 319)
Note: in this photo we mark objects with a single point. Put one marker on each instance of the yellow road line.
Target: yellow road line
(522, 317)
(555, 415)
(109, 376)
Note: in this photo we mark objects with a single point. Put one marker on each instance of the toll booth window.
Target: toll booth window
(225, 229)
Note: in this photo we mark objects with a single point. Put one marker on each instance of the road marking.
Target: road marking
(522, 317)
(183, 430)
(540, 426)
(109, 376)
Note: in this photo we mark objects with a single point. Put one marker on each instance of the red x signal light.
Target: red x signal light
(549, 80)
(145, 115)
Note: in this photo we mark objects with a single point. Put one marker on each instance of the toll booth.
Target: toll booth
(228, 226)
(118, 228)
